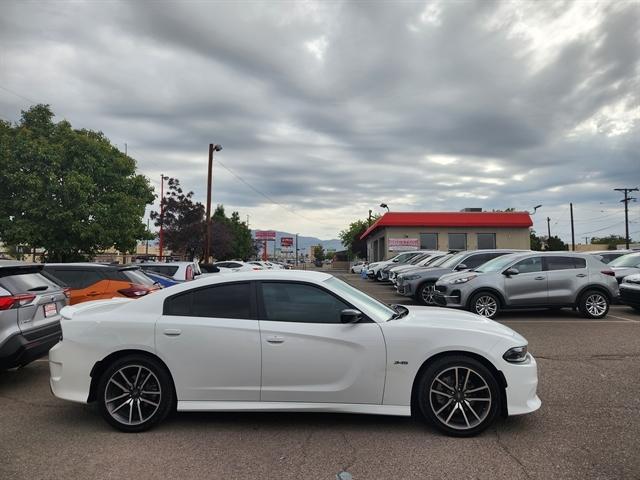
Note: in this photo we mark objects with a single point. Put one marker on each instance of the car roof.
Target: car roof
(168, 264)
(18, 263)
(97, 266)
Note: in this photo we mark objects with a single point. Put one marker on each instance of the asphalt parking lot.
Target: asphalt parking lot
(588, 426)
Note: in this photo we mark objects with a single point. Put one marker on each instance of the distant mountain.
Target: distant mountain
(305, 242)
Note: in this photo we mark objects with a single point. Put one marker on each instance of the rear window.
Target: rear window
(27, 282)
(165, 269)
(137, 277)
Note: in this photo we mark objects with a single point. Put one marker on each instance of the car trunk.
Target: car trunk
(48, 300)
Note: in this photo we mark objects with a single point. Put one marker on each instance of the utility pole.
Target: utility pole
(207, 245)
(162, 177)
(125, 148)
(626, 201)
(370, 211)
(573, 238)
(247, 220)
(146, 248)
(548, 229)
(296, 250)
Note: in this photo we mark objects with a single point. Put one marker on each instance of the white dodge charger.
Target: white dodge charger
(289, 341)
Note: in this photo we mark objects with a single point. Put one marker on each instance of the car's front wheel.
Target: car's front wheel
(459, 396)
(486, 304)
(593, 304)
(135, 393)
(426, 293)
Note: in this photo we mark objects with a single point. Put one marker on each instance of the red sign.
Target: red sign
(403, 244)
(286, 241)
(265, 235)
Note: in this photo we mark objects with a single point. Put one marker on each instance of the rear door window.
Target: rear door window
(217, 301)
(564, 263)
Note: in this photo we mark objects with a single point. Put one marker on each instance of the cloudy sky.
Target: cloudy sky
(330, 108)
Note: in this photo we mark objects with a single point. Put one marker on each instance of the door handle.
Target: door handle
(172, 332)
(93, 294)
(539, 278)
(275, 339)
(581, 275)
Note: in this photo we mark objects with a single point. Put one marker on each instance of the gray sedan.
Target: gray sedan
(532, 280)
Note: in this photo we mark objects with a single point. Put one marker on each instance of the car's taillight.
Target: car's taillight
(189, 272)
(611, 273)
(15, 301)
(134, 291)
(256, 268)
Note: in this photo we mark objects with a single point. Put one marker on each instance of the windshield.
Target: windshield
(374, 308)
(139, 278)
(418, 258)
(439, 260)
(453, 260)
(631, 260)
(496, 264)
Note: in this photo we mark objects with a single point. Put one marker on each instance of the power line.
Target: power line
(259, 192)
(603, 228)
(17, 94)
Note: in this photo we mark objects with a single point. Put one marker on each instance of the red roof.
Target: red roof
(451, 219)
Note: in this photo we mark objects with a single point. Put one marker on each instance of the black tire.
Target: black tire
(485, 304)
(138, 389)
(378, 276)
(426, 292)
(436, 407)
(593, 304)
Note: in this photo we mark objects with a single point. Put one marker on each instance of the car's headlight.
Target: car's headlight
(463, 279)
(516, 354)
(411, 277)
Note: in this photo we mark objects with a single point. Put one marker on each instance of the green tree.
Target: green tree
(555, 243)
(183, 221)
(350, 237)
(318, 253)
(535, 241)
(70, 192)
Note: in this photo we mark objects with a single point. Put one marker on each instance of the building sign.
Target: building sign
(286, 241)
(403, 244)
(265, 235)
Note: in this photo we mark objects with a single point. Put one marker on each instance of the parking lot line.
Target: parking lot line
(568, 321)
(625, 318)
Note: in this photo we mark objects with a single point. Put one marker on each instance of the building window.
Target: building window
(486, 240)
(429, 241)
(457, 241)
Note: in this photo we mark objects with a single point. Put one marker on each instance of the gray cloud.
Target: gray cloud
(332, 107)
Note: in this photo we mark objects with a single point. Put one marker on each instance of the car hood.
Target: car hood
(447, 318)
(430, 272)
(450, 277)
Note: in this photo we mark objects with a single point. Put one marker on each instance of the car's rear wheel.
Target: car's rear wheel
(426, 293)
(378, 276)
(593, 304)
(459, 395)
(135, 393)
(486, 304)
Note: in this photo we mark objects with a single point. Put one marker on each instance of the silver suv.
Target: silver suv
(420, 283)
(30, 305)
(532, 280)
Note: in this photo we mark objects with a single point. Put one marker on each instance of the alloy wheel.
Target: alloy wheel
(486, 305)
(596, 304)
(132, 395)
(460, 398)
(428, 292)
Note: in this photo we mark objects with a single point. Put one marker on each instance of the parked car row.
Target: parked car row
(487, 282)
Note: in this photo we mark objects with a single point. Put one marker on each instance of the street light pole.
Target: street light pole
(207, 246)
(384, 205)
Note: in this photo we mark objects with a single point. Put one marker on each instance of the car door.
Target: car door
(565, 278)
(210, 340)
(308, 355)
(529, 286)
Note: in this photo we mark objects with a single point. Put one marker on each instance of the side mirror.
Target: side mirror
(350, 315)
(511, 271)
(461, 267)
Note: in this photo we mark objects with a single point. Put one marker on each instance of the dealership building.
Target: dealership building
(467, 230)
